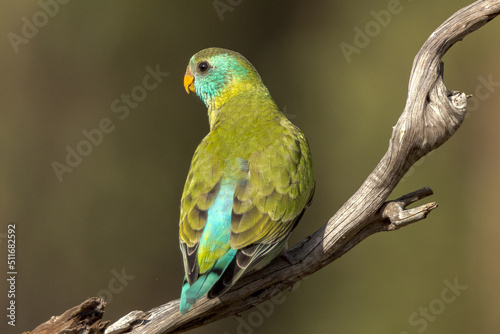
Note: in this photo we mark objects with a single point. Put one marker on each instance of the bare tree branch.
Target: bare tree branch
(83, 318)
(431, 116)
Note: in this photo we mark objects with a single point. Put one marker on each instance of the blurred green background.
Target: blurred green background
(117, 211)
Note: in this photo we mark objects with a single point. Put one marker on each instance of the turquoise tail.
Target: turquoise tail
(185, 306)
(190, 294)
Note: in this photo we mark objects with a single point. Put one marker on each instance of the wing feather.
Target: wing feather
(200, 191)
(279, 185)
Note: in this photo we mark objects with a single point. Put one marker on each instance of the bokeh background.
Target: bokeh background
(117, 211)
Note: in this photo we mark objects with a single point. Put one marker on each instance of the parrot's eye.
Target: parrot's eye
(203, 66)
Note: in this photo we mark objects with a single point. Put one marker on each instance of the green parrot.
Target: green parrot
(250, 179)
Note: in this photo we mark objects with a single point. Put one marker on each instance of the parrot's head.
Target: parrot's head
(216, 74)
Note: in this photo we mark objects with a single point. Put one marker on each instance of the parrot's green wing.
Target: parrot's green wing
(200, 192)
(268, 204)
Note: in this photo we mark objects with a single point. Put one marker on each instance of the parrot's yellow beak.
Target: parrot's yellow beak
(189, 81)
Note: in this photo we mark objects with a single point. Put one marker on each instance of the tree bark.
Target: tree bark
(83, 318)
(432, 114)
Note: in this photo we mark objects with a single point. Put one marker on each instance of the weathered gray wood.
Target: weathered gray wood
(432, 114)
(83, 318)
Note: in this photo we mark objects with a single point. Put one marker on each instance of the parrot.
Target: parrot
(250, 179)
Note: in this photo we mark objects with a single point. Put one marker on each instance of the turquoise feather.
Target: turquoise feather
(215, 237)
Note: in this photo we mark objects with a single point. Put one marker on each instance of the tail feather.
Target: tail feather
(184, 306)
(190, 294)
(250, 258)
